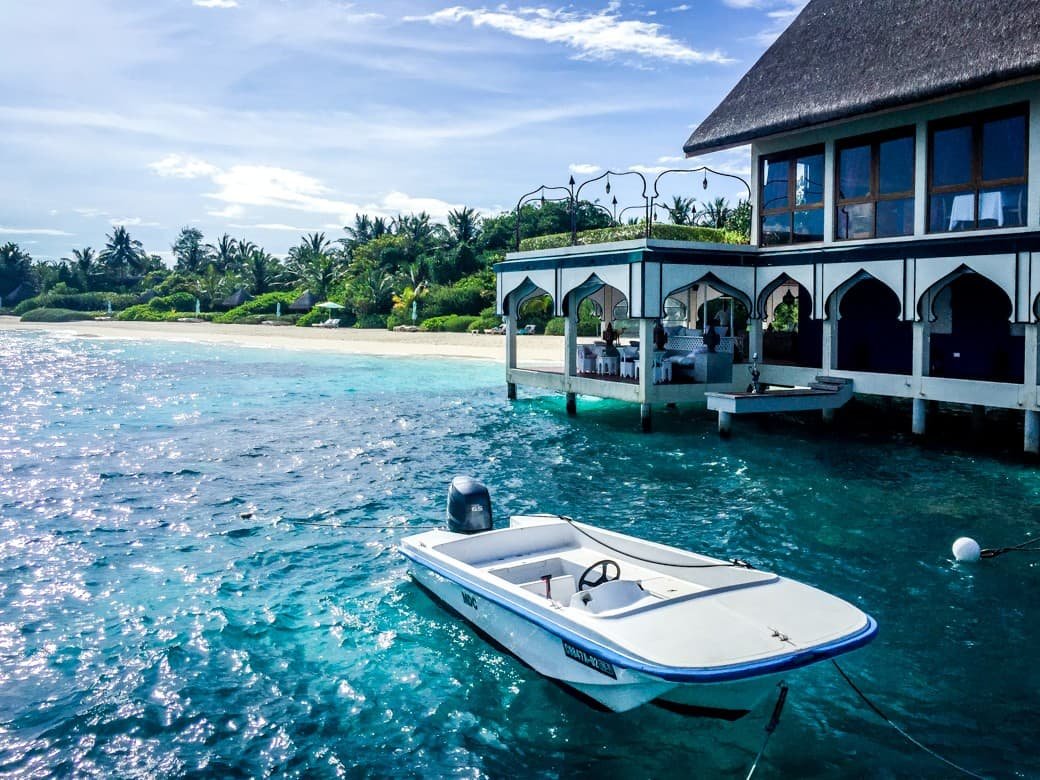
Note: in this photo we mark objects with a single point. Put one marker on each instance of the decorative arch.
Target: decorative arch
(712, 280)
(838, 281)
(527, 289)
(771, 278)
(872, 333)
(936, 273)
(780, 280)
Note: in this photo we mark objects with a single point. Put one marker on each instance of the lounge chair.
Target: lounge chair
(329, 323)
(528, 330)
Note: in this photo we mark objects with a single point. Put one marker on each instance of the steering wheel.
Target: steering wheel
(586, 583)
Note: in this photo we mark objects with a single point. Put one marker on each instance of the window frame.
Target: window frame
(975, 121)
(874, 196)
(791, 157)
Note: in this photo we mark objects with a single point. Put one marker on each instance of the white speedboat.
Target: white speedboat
(623, 621)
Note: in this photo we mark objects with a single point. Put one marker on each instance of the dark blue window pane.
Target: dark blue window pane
(856, 221)
(951, 156)
(809, 180)
(776, 229)
(952, 211)
(1004, 148)
(808, 225)
(854, 172)
(774, 188)
(895, 217)
(896, 165)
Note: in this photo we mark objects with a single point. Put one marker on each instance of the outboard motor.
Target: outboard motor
(469, 506)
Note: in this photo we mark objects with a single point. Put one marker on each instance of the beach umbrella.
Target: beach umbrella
(330, 305)
(198, 307)
(278, 310)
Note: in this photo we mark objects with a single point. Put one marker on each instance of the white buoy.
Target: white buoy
(966, 550)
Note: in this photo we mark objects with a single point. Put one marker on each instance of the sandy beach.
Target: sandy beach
(531, 349)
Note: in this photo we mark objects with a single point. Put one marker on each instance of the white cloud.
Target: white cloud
(596, 36)
(584, 169)
(33, 232)
(179, 167)
(90, 212)
(215, 3)
(647, 169)
(668, 160)
(277, 226)
(230, 212)
(132, 222)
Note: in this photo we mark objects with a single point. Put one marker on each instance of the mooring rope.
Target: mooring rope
(906, 736)
(735, 562)
(774, 721)
(1022, 547)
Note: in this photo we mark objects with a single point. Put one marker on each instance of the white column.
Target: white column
(1031, 441)
(921, 180)
(646, 370)
(570, 341)
(917, 424)
(755, 336)
(510, 351)
(829, 359)
(922, 333)
(828, 192)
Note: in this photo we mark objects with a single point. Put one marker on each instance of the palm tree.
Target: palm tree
(463, 226)
(15, 267)
(313, 264)
(263, 271)
(681, 212)
(225, 254)
(715, 213)
(122, 254)
(83, 264)
(192, 255)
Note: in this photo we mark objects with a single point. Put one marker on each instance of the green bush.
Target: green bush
(371, 321)
(55, 315)
(142, 312)
(450, 323)
(660, 230)
(465, 297)
(178, 301)
(487, 319)
(262, 304)
(91, 301)
(586, 327)
(312, 317)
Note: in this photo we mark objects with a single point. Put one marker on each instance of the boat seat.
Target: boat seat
(609, 596)
(562, 588)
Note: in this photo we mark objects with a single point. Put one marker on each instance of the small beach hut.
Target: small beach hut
(237, 298)
(305, 302)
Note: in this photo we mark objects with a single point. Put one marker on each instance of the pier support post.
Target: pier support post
(919, 414)
(572, 403)
(510, 351)
(725, 424)
(1031, 442)
(827, 415)
(570, 340)
(644, 418)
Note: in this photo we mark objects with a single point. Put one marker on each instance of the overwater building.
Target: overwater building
(895, 188)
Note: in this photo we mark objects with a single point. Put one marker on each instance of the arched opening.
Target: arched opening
(871, 336)
(690, 309)
(971, 337)
(792, 337)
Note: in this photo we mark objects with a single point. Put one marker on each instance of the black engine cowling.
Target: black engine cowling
(469, 506)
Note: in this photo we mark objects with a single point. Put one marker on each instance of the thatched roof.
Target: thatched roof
(18, 294)
(237, 298)
(304, 303)
(841, 58)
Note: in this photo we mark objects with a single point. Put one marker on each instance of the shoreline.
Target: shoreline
(349, 341)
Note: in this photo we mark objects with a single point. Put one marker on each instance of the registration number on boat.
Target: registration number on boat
(591, 661)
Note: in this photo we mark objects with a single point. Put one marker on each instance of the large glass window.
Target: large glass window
(977, 171)
(791, 198)
(875, 178)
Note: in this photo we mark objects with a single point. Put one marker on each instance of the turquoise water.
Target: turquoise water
(148, 629)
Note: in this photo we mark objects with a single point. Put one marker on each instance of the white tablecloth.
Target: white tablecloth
(991, 206)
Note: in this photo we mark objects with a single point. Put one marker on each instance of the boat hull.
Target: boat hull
(604, 683)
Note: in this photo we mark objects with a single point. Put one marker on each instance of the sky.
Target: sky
(267, 119)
